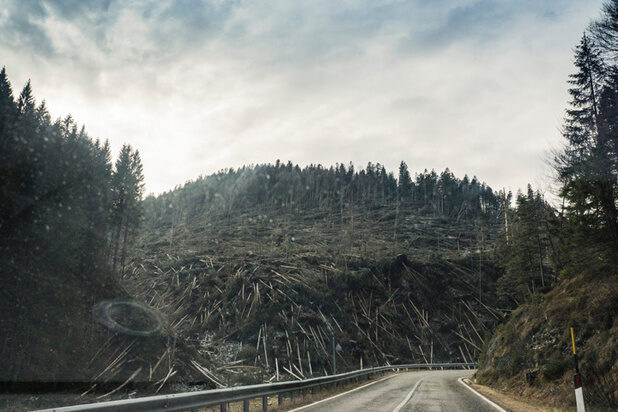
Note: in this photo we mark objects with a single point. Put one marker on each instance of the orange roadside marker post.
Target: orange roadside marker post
(577, 380)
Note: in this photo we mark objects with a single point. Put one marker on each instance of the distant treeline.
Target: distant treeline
(336, 188)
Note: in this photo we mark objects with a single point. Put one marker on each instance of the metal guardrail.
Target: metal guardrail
(191, 401)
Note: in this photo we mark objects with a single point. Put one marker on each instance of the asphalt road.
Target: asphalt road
(425, 391)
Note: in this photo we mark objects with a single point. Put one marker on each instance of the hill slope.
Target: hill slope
(393, 282)
(531, 353)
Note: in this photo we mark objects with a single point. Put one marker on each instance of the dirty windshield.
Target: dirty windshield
(342, 206)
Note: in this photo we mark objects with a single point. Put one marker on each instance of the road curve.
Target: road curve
(425, 391)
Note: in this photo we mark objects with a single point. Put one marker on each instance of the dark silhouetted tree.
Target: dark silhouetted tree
(404, 182)
(127, 188)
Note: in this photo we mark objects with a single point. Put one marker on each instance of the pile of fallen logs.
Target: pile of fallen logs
(285, 286)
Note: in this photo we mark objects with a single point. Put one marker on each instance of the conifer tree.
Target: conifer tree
(7, 106)
(127, 187)
(54, 222)
(608, 121)
(526, 253)
(404, 183)
(581, 123)
(25, 102)
(605, 30)
(7, 116)
(585, 166)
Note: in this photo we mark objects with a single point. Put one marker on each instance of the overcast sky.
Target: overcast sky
(197, 86)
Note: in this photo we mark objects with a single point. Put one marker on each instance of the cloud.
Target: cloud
(19, 27)
(478, 86)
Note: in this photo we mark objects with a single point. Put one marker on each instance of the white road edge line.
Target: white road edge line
(495, 405)
(341, 394)
(408, 397)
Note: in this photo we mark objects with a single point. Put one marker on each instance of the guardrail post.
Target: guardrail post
(292, 395)
(264, 403)
(245, 405)
(279, 399)
(223, 407)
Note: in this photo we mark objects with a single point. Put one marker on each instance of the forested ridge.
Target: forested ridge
(67, 219)
(273, 186)
(273, 260)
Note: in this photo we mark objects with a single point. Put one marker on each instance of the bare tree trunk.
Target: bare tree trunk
(341, 206)
(538, 240)
(116, 239)
(116, 245)
(481, 267)
(541, 261)
(124, 247)
(506, 217)
(396, 219)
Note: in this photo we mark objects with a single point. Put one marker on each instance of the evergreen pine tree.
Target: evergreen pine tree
(526, 252)
(581, 123)
(585, 166)
(7, 106)
(7, 170)
(127, 188)
(404, 183)
(605, 30)
(608, 121)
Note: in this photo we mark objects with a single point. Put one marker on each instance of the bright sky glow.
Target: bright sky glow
(197, 86)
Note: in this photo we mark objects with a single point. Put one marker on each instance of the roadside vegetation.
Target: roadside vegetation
(531, 352)
(68, 220)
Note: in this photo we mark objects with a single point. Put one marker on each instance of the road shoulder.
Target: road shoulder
(508, 401)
